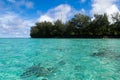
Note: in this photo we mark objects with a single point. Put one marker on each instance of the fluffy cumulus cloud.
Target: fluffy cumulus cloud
(104, 6)
(12, 25)
(62, 12)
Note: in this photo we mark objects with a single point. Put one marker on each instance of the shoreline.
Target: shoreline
(86, 37)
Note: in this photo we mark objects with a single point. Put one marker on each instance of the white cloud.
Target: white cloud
(62, 12)
(104, 6)
(45, 18)
(112, 9)
(12, 25)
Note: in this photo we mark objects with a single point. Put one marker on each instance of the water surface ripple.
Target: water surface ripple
(59, 59)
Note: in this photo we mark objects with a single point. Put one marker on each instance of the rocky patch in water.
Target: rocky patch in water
(38, 71)
(107, 54)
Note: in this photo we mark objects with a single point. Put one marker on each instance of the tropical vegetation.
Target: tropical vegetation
(80, 26)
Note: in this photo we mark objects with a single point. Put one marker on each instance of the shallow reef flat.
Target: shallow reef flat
(60, 59)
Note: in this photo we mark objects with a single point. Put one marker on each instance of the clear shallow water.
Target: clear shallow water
(69, 59)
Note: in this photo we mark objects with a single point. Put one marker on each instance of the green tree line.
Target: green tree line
(80, 26)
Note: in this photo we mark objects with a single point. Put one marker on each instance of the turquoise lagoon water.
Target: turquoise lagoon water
(59, 59)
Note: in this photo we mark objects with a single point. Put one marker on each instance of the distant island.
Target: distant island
(80, 26)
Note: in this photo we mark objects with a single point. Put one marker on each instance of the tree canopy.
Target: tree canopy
(80, 26)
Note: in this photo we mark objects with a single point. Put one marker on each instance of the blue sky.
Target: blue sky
(17, 16)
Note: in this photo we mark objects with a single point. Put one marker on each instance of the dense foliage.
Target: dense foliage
(80, 26)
